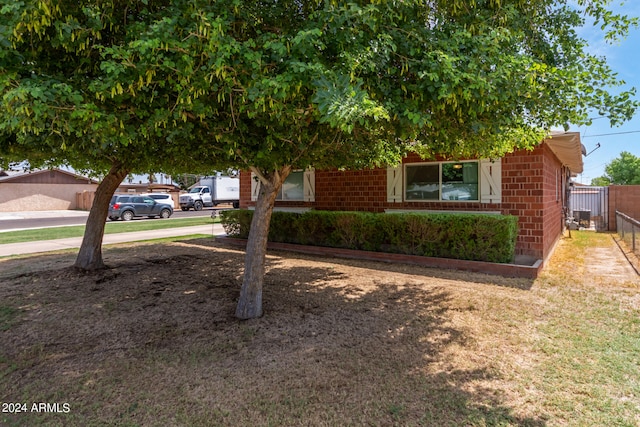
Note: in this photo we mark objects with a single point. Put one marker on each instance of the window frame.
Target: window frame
(280, 197)
(308, 186)
(439, 199)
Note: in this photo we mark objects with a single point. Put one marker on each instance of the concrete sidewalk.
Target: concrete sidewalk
(74, 242)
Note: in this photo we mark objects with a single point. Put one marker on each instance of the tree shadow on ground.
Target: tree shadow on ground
(153, 340)
(441, 273)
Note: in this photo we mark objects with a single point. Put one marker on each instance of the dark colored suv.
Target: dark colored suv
(127, 207)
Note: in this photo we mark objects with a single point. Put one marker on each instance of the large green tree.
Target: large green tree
(623, 170)
(63, 104)
(285, 85)
(278, 85)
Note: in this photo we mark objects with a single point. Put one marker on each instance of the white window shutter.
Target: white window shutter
(491, 181)
(255, 187)
(394, 184)
(309, 185)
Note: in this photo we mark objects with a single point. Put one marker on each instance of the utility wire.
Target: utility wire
(608, 134)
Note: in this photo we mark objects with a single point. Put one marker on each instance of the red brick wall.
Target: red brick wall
(554, 203)
(625, 199)
(245, 190)
(528, 192)
(364, 190)
(532, 191)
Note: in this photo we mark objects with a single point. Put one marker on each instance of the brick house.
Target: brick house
(532, 185)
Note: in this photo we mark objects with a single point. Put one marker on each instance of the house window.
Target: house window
(446, 181)
(293, 187)
(423, 182)
(299, 186)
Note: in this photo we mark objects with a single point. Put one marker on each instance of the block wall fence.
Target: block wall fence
(531, 190)
(625, 199)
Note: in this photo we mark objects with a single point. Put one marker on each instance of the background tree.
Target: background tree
(623, 170)
(185, 180)
(601, 181)
(63, 104)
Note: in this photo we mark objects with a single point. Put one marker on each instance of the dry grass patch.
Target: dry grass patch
(153, 341)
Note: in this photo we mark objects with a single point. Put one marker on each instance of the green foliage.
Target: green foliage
(174, 85)
(65, 102)
(477, 237)
(280, 223)
(236, 223)
(601, 181)
(624, 170)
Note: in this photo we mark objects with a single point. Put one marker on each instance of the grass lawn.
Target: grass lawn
(152, 341)
(110, 228)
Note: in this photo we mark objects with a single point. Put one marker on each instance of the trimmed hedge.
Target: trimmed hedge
(468, 236)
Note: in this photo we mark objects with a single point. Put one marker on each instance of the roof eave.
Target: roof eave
(568, 149)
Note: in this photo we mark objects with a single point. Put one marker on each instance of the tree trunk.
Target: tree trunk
(250, 302)
(90, 254)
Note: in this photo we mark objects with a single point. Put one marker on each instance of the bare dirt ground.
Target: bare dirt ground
(153, 341)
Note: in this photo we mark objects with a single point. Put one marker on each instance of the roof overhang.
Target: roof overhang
(17, 176)
(568, 149)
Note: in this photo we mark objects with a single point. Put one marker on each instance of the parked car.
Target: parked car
(162, 198)
(127, 207)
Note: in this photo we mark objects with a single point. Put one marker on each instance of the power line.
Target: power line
(608, 134)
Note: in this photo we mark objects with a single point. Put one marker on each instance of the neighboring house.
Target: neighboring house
(52, 189)
(532, 185)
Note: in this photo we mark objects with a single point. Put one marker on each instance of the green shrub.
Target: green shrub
(236, 223)
(468, 236)
(283, 228)
(356, 230)
(316, 228)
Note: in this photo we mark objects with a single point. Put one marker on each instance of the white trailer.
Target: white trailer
(212, 191)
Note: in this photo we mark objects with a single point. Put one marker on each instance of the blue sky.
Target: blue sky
(624, 58)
